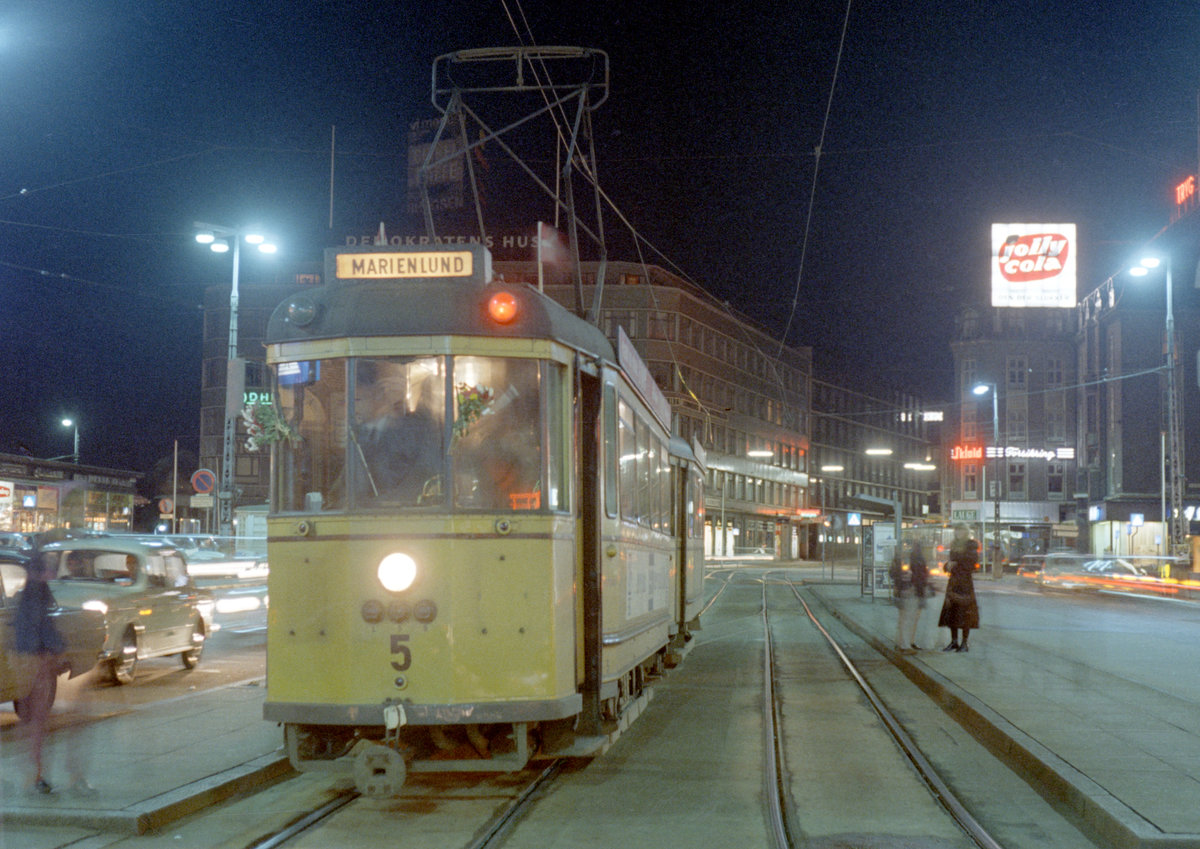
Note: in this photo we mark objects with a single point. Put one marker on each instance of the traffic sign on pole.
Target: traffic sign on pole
(204, 481)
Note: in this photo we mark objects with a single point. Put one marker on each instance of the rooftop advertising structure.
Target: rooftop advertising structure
(1033, 265)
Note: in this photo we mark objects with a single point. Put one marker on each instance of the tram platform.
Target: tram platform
(1106, 743)
(148, 765)
(1084, 736)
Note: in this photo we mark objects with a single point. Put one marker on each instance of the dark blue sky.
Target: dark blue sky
(123, 122)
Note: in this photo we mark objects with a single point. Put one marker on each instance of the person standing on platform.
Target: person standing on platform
(960, 611)
(910, 582)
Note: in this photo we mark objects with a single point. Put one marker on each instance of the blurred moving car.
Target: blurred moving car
(1030, 565)
(150, 604)
(83, 631)
(206, 559)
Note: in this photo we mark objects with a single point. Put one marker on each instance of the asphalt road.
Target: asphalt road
(235, 652)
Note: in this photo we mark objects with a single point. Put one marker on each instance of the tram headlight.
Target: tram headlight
(397, 572)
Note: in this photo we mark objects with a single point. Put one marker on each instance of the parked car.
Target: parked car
(82, 630)
(150, 604)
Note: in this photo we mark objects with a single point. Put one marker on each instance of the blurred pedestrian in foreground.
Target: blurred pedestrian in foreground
(43, 647)
(960, 611)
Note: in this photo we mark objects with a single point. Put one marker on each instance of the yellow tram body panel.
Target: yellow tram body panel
(502, 629)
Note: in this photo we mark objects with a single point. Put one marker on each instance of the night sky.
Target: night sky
(123, 122)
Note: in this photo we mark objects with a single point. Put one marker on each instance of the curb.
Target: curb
(161, 810)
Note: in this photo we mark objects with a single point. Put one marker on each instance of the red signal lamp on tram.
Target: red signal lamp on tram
(502, 307)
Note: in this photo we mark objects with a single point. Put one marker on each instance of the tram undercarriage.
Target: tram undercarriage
(380, 758)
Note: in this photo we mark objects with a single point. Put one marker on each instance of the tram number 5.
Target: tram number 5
(403, 652)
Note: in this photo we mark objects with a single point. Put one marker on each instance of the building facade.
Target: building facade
(731, 386)
(1013, 459)
(871, 455)
(37, 495)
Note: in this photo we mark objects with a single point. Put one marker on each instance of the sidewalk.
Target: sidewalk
(150, 765)
(1123, 756)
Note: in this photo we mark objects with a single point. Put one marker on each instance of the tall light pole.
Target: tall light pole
(825, 472)
(1173, 462)
(73, 424)
(221, 239)
(983, 389)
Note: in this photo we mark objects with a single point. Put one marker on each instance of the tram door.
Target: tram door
(596, 404)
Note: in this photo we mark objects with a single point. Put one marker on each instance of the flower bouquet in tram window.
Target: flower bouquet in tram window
(265, 426)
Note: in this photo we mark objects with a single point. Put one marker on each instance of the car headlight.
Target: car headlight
(396, 572)
(96, 605)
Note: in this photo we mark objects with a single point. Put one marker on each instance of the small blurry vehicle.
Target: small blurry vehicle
(1030, 565)
(82, 630)
(206, 559)
(150, 604)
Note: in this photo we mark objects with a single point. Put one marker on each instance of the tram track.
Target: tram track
(784, 825)
(301, 830)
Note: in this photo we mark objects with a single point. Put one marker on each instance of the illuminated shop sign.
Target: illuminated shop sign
(1185, 197)
(1010, 452)
(1033, 265)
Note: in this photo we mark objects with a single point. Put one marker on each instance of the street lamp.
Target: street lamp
(220, 240)
(825, 470)
(983, 389)
(73, 424)
(1172, 471)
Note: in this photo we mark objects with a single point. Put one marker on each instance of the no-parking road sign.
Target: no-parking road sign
(204, 481)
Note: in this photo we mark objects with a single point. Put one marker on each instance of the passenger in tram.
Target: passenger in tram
(960, 611)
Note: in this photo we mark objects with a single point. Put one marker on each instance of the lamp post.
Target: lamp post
(1172, 470)
(983, 389)
(825, 470)
(71, 423)
(220, 240)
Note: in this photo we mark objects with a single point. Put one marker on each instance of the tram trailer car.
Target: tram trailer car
(482, 538)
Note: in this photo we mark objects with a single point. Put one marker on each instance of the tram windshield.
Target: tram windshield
(458, 433)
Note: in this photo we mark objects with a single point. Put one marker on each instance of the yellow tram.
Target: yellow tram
(482, 537)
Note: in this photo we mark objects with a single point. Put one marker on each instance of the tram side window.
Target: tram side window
(396, 436)
(308, 473)
(558, 441)
(497, 434)
(611, 451)
(628, 447)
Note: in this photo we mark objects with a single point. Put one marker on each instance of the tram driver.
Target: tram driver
(398, 446)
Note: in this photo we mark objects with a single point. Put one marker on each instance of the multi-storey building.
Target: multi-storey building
(1013, 461)
(732, 387)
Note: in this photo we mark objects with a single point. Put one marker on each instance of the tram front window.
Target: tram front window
(496, 442)
(311, 399)
(396, 438)
(380, 433)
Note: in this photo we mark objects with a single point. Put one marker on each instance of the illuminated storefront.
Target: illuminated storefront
(36, 495)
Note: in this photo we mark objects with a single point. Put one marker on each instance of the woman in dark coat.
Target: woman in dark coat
(959, 608)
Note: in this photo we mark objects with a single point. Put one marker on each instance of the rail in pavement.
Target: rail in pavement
(1073, 735)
